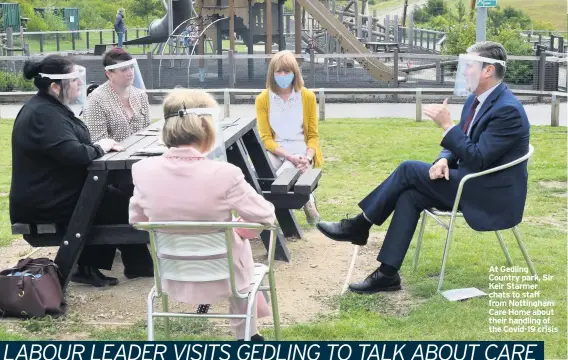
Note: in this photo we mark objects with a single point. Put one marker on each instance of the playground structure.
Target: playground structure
(253, 23)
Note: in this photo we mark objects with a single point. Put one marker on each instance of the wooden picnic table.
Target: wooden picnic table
(242, 141)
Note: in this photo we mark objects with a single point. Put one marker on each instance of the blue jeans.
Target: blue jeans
(120, 38)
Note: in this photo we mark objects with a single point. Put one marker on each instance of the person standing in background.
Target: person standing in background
(119, 26)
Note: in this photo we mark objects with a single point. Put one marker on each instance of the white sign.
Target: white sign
(71, 18)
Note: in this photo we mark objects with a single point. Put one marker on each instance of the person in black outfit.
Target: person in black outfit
(51, 150)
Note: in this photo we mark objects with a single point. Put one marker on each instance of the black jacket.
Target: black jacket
(51, 150)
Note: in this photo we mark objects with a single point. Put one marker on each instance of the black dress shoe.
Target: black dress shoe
(88, 276)
(377, 282)
(256, 337)
(111, 280)
(345, 230)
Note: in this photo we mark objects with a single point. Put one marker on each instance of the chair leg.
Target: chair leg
(524, 251)
(504, 247)
(166, 319)
(250, 305)
(149, 315)
(274, 300)
(419, 241)
(446, 251)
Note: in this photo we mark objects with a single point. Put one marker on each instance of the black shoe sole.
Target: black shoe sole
(390, 288)
(362, 243)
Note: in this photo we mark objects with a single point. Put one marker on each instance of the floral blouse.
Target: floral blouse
(106, 117)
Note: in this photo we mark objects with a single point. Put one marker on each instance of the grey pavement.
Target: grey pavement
(539, 114)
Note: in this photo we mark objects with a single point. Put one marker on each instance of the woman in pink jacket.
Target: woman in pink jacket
(183, 185)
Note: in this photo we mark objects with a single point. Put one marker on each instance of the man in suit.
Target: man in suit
(493, 131)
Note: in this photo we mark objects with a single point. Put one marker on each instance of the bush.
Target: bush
(11, 81)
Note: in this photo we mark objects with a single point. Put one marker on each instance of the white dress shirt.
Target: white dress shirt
(481, 98)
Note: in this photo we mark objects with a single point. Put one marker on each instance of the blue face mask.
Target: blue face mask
(284, 81)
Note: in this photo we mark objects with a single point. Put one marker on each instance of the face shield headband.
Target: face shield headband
(133, 64)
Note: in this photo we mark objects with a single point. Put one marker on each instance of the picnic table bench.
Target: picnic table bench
(290, 190)
(375, 45)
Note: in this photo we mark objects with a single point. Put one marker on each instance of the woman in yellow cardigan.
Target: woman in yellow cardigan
(286, 114)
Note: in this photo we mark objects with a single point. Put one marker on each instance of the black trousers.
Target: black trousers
(112, 211)
(406, 193)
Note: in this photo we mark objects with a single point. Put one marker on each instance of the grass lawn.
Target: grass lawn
(361, 153)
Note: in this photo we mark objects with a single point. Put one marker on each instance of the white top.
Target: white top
(481, 98)
(287, 121)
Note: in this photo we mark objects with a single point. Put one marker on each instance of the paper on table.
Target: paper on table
(155, 150)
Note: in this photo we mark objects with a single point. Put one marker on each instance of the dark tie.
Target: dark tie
(470, 115)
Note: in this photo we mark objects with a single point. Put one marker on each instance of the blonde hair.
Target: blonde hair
(284, 61)
(188, 129)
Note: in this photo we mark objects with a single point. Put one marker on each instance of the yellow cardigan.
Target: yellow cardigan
(311, 136)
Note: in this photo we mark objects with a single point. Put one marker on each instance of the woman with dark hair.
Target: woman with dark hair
(119, 107)
(51, 149)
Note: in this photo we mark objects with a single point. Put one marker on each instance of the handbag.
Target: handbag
(31, 289)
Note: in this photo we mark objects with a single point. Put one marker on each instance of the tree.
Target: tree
(461, 10)
(146, 9)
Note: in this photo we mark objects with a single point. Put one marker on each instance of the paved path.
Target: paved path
(538, 114)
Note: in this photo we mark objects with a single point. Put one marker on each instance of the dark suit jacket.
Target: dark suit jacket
(500, 134)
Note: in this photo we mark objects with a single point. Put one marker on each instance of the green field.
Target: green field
(360, 154)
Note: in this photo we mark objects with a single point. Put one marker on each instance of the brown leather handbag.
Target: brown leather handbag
(31, 289)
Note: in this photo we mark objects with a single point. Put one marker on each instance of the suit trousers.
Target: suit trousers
(406, 193)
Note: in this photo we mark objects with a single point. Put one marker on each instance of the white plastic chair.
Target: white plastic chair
(436, 214)
(201, 241)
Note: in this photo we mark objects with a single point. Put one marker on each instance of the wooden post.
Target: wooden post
(250, 43)
(387, 28)
(268, 26)
(298, 26)
(220, 48)
(555, 111)
(395, 68)
(41, 43)
(227, 103)
(395, 30)
(358, 20)
(10, 41)
(57, 41)
(541, 72)
(322, 104)
(231, 25)
(281, 45)
(88, 47)
(149, 81)
(410, 35)
(418, 105)
(370, 28)
(231, 69)
(438, 72)
(312, 68)
(201, 44)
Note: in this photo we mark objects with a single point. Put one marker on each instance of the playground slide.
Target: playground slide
(346, 39)
(158, 30)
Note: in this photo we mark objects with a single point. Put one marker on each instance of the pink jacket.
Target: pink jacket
(183, 185)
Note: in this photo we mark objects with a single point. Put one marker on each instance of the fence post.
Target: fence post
(227, 103)
(88, 47)
(100, 37)
(10, 40)
(149, 81)
(322, 104)
(418, 105)
(73, 40)
(438, 72)
(312, 68)
(57, 40)
(231, 69)
(41, 43)
(541, 72)
(113, 36)
(370, 27)
(395, 30)
(555, 111)
(395, 68)
(410, 35)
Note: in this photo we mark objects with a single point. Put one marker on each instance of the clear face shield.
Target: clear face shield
(218, 151)
(127, 73)
(73, 91)
(469, 73)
